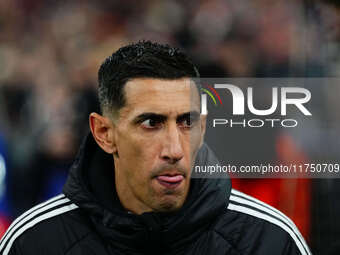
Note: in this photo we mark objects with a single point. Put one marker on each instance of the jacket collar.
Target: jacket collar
(90, 185)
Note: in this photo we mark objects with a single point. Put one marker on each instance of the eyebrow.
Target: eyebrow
(149, 115)
(161, 117)
(194, 115)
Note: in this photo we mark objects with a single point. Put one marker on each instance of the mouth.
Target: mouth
(170, 180)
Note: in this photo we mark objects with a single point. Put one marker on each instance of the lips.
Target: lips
(170, 181)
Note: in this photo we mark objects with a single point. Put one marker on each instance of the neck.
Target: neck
(125, 194)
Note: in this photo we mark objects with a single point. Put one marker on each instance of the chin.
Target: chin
(171, 204)
(168, 208)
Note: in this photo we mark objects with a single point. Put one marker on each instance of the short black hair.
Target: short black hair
(144, 59)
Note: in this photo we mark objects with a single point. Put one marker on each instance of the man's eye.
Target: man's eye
(151, 123)
(187, 122)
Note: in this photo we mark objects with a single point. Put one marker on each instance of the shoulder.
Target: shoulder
(44, 225)
(248, 220)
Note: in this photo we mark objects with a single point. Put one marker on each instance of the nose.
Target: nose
(172, 150)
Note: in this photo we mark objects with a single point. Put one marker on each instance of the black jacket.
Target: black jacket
(89, 219)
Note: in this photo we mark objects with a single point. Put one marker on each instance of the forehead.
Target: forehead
(161, 96)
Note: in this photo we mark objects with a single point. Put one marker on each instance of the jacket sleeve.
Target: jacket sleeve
(292, 249)
(15, 249)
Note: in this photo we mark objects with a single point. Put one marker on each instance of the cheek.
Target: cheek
(194, 146)
(137, 154)
(195, 139)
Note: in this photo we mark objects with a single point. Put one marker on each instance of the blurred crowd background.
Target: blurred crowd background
(50, 52)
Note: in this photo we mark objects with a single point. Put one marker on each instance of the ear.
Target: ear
(203, 120)
(103, 130)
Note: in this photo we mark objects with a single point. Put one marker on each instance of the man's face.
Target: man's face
(157, 136)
